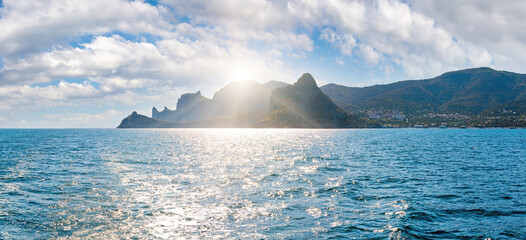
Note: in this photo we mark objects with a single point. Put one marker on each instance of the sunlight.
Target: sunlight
(240, 74)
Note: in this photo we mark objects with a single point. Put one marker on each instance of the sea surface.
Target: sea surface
(263, 184)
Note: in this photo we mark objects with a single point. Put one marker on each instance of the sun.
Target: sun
(240, 75)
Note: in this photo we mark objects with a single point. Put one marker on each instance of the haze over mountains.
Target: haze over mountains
(469, 92)
(251, 104)
(247, 97)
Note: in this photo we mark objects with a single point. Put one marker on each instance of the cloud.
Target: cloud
(67, 119)
(340, 62)
(405, 37)
(496, 27)
(71, 53)
(104, 56)
(345, 42)
(83, 117)
(369, 54)
(119, 67)
(219, 29)
(29, 27)
(60, 95)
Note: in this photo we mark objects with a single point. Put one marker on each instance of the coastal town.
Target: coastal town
(504, 118)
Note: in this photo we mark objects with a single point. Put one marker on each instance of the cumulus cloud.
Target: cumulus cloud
(345, 42)
(62, 94)
(408, 38)
(118, 66)
(30, 26)
(131, 51)
(369, 54)
(496, 27)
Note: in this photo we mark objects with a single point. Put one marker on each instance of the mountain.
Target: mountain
(470, 97)
(250, 104)
(469, 92)
(305, 105)
(136, 120)
(189, 107)
(237, 98)
(140, 121)
(273, 84)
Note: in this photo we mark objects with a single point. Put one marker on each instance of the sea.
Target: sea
(262, 184)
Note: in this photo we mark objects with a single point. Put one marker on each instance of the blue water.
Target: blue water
(263, 184)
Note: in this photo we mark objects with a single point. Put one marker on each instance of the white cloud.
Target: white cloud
(83, 117)
(405, 37)
(30, 26)
(225, 40)
(495, 27)
(349, 15)
(275, 53)
(119, 66)
(62, 91)
(345, 42)
(340, 62)
(383, 28)
(369, 54)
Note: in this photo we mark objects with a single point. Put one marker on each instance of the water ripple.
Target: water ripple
(263, 183)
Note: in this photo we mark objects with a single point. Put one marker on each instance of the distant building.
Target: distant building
(398, 116)
(395, 115)
(375, 115)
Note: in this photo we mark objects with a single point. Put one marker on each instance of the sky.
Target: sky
(89, 64)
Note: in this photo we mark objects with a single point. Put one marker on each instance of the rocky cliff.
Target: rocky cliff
(190, 107)
(140, 121)
(305, 105)
(251, 104)
(233, 100)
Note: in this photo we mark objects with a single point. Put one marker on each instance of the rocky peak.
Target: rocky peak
(305, 105)
(155, 113)
(189, 100)
(306, 80)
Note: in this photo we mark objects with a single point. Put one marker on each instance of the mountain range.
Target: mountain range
(470, 92)
(251, 104)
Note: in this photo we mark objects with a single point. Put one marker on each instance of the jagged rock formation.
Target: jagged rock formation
(190, 107)
(250, 104)
(235, 99)
(241, 121)
(140, 121)
(305, 105)
(474, 92)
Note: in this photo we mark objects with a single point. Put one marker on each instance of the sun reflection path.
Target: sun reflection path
(201, 182)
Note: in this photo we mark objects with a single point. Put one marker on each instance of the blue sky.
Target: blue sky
(91, 63)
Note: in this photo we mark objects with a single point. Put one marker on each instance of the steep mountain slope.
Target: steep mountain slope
(190, 106)
(305, 105)
(469, 91)
(250, 104)
(140, 121)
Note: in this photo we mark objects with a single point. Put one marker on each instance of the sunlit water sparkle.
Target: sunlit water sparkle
(263, 183)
